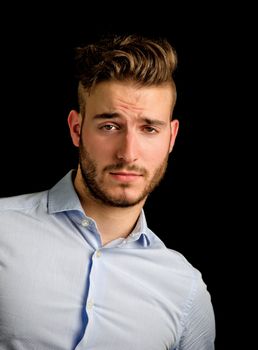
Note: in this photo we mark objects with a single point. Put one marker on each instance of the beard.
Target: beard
(96, 187)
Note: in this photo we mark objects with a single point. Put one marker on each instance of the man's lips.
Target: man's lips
(125, 176)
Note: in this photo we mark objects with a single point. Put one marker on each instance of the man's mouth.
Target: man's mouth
(125, 176)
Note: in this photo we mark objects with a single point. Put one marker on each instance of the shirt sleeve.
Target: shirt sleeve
(199, 321)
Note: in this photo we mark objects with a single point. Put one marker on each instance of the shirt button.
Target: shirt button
(85, 223)
(90, 304)
(98, 253)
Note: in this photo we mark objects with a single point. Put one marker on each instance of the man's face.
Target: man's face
(125, 140)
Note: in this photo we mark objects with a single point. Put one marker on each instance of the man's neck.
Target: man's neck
(112, 222)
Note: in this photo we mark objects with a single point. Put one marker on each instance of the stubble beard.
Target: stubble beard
(97, 189)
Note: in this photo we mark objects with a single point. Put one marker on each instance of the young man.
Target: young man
(80, 269)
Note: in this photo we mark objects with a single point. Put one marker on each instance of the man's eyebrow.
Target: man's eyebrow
(151, 121)
(106, 116)
(147, 120)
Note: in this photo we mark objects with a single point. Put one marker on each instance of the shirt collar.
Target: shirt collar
(63, 197)
(140, 231)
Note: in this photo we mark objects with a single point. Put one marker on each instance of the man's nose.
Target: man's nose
(128, 147)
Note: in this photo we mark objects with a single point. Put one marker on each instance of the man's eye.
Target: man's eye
(108, 127)
(150, 130)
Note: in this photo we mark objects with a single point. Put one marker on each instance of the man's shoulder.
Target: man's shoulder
(170, 258)
(180, 262)
(22, 202)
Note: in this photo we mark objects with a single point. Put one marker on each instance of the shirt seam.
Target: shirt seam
(188, 304)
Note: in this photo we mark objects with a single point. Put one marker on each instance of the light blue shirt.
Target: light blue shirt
(60, 289)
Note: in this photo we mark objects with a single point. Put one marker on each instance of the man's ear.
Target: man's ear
(174, 125)
(74, 122)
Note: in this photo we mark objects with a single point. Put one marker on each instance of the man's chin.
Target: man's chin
(122, 201)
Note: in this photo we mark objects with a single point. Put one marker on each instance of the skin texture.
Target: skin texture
(124, 141)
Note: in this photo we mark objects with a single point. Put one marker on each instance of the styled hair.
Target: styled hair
(134, 58)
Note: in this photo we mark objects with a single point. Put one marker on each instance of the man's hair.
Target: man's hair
(131, 58)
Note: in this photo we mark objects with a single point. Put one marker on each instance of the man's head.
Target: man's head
(144, 61)
(124, 130)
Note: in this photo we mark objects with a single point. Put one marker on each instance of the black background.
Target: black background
(196, 208)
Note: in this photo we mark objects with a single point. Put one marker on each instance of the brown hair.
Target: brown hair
(134, 58)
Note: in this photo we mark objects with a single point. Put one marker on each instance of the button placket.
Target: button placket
(93, 285)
